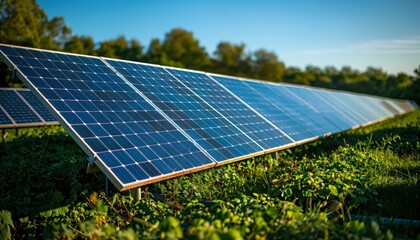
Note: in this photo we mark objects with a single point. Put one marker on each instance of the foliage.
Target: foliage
(121, 48)
(6, 224)
(311, 191)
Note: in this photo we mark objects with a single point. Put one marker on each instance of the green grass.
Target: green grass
(310, 191)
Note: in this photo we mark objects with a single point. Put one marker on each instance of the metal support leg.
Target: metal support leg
(107, 186)
(136, 193)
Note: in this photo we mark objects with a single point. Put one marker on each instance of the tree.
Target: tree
(155, 54)
(265, 65)
(81, 45)
(414, 90)
(121, 48)
(23, 22)
(183, 50)
(231, 59)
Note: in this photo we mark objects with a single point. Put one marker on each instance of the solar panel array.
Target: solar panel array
(20, 108)
(143, 123)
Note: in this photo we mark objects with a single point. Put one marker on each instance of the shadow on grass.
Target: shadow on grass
(40, 172)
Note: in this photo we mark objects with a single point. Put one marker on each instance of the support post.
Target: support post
(136, 193)
(277, 156)
(107, 186)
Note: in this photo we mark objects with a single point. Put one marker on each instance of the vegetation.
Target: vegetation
(24, 23)
(311, 191)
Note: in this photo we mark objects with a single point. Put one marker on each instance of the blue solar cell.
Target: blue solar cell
(219, 134)
(377, 107)
(354, 107)
(331, 119)
(4, 119)
(37, 106)
(235, 111)
(272, 106)
(108, 115)
(17, 109)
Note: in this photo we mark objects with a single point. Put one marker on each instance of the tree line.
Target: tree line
(24, 23)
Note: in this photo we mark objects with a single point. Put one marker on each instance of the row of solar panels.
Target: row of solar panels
(20, 108)
(144, 123)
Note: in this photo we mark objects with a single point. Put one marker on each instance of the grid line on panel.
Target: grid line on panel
(320, 118)
(326, 96)
(17, 109)
(333, 121)
(258, 100)
(133, 142)
(345, 103)
(252, 108)
(30, 106)
(276, 108)
(229, 106)
(292, 106)
(36, 105)
(217, 110)
(157, 109)
(218, 137)
(20, 103)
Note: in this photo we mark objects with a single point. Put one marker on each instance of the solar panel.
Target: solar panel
(261, 99)
(143, 123)
(206, 126)
(263, 132)
(130, 140)
(332, 120)
(20, 108)
(37, 106)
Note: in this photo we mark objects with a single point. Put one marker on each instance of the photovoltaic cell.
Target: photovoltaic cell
(20, 108)
(221, 137)
(4, 119)
(258, 96)
(328, 117)
(16, 108)
(37, 106)
(247, 120)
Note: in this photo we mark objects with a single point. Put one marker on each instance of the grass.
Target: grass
(310, 191)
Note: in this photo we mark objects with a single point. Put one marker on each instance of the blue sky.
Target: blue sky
(355, 33)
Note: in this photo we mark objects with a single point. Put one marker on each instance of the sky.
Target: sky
(357, 33)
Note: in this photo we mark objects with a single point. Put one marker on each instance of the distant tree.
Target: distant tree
(155, 53)
(182, 50)
(293, 75)
(80, 44)
(121, 48)
(231, 59)
(23, 22)
(397, 85)
(266, 66)
(414, 90)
